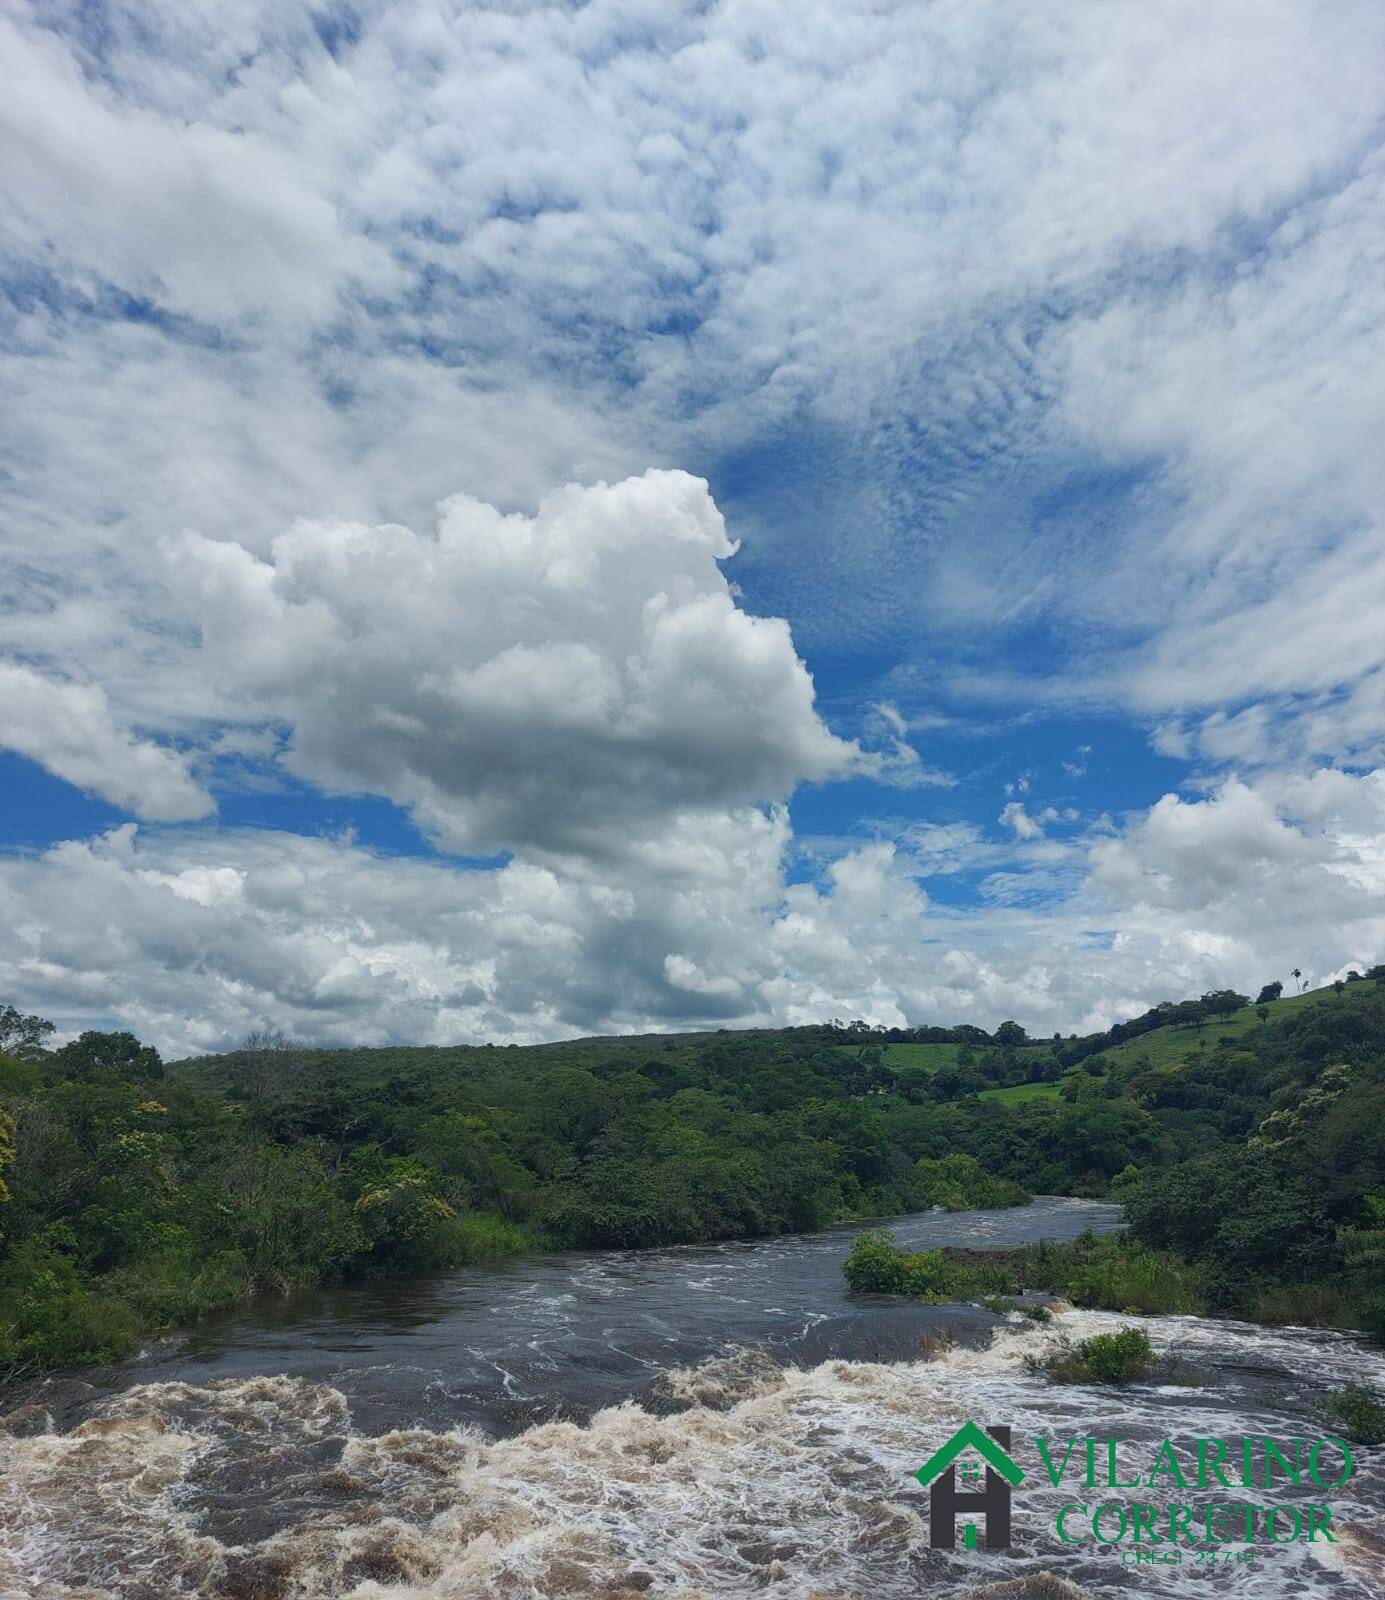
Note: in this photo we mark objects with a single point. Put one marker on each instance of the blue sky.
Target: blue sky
(532, 520)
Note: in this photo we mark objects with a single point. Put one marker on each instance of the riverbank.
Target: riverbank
(566, 1333)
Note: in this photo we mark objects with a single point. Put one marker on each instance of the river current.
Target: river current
(704, 1421)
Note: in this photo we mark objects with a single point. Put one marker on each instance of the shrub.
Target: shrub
(1120, 1357)
(1117, 1357)
(1307, 1305)
(481, 1236)
(927, 1275)
(1133, 1279)
(1359, 1411)
(876, 1264)
(176, 1287)
(959, 1182)
(48, 1316)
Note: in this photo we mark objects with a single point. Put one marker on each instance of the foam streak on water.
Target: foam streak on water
(736, 1477)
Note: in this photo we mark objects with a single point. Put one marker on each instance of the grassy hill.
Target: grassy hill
(929, 1057)
(1171, 1046)
(1017, 1093)
(489, 1063)
(1161, 1047)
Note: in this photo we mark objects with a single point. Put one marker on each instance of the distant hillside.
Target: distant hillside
(489, 1062)
(141, 1195)
(1162, 1043)
(1172, 1043)
(971, 1060)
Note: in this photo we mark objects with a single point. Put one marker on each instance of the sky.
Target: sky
(533, 520)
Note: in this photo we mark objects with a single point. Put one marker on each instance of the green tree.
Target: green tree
(109, 1056)
(1010, 1036)
(1223, 1002)
(22, 1036)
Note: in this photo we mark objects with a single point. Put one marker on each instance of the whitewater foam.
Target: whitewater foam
(742, 1476)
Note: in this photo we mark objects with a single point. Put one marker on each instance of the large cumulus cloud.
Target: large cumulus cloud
(571, 683)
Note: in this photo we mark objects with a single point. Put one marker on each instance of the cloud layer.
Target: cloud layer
(1035, 353)
(67, 728)
(193, 938)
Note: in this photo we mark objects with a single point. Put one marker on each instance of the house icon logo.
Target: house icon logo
(946, 1500)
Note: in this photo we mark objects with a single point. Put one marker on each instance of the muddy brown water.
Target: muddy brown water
(722, 1420)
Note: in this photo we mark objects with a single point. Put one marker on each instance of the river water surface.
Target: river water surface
(703, 1421)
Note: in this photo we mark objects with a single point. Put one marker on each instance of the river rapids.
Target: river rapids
(776, 1465)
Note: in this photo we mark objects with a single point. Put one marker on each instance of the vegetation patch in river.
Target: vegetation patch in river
(1123, 1355)
(1111, 1273)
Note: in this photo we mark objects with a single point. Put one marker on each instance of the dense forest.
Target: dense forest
(1243, 1140)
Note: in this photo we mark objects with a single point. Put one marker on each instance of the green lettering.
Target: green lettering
(1096, 1522)
(1180, 1522)
(1320, 1521)
(1216, 1536)
(1348, 1463)
(1166, 1451)
(1274, 1456)
(1203, 1464)
(1272, 1517)
(1144, 1516)
(1071, 1506)
(1055, 1478)
(1112, 1481)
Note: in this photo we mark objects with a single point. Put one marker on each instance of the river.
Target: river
(704, 1421)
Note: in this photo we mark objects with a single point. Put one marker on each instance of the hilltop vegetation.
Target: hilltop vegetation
(141, 1194)
(1266, 1196)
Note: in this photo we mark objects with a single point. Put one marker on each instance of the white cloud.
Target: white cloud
(191, 937)
(894, 760)
(1014, 816)
(67, 728)
(566, 684)
(203, 219)
(943, 262)
(564, 244)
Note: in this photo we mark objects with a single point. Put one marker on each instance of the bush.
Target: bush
(175, 1287)
(1305, 1305)
(480, 1236)
(927, 1276)
(1117, 1357)
(876, 1265)
(1359, 1411)
(959, 1182)
(49, 1317)
(1120, 1357)
(1133, 1279)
